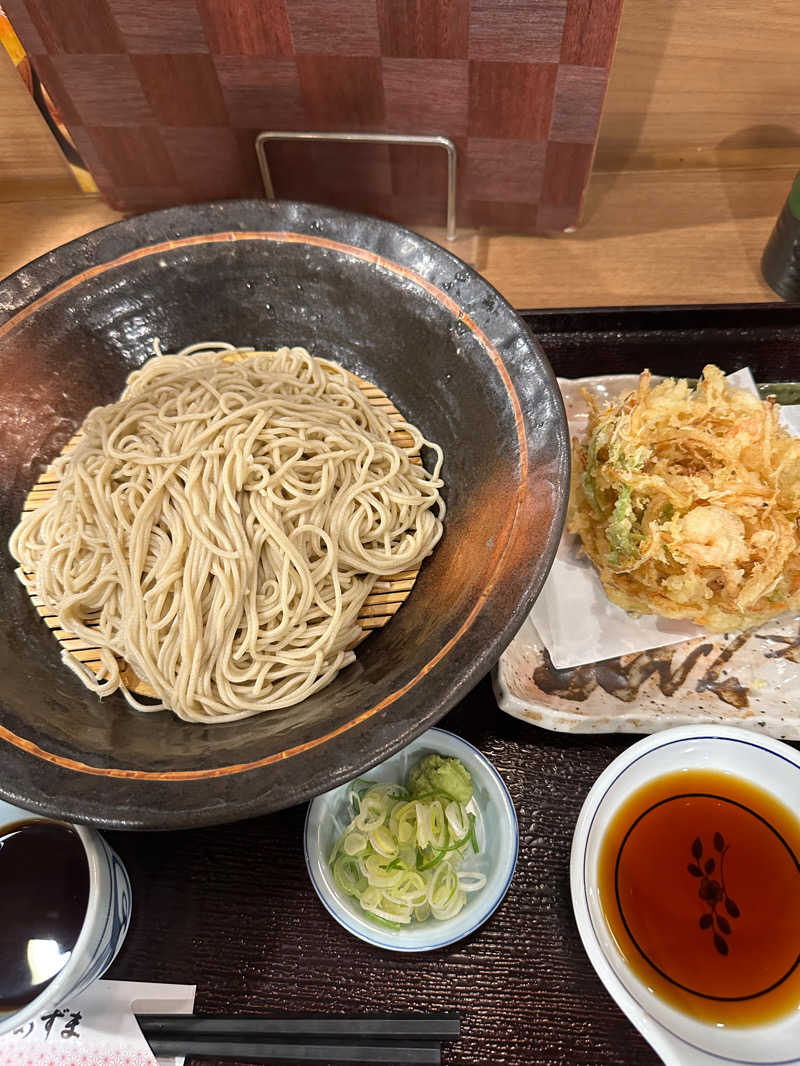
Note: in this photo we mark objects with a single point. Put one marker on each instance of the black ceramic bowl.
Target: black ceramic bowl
(390, 306)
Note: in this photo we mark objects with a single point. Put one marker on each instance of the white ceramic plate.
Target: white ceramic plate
(498, 840)
(679, 1039)
(750, 680)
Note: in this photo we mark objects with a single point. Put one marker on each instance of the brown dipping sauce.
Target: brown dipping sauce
(44, 882)
(700, 887)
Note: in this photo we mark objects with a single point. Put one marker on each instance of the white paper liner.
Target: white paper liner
(106, 1032)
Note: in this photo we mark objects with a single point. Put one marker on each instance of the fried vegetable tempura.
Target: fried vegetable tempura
(687, 502)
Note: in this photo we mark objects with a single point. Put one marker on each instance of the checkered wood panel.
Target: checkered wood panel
(164, 99)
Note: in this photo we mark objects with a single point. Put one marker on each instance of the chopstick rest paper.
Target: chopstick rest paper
(97, 1027)
(576, 621)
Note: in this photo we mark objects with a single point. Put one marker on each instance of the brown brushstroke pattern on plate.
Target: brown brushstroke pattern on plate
(748, 679)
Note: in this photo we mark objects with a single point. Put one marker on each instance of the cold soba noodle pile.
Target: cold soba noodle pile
(220, 526)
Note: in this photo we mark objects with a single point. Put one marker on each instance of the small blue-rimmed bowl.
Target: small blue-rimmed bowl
(498, 842)
(679, 1039)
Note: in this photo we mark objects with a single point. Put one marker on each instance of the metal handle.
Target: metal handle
(365, 138)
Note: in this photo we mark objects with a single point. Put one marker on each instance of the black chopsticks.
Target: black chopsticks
(385, 1038)
(264, 1050)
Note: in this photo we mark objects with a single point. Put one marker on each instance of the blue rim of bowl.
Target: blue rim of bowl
(584, 888)
(484, 917)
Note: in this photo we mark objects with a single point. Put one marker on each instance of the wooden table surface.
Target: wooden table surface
(649, 237)
(232, 910)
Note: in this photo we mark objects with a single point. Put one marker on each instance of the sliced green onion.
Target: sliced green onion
(394, 810)
(394, 911)
(472, 838)
(389, 917)
(401, 854)
(470, 881)
(337, 847)
(410, 889)
(348, 878)
(383, 841)
(427, 862)
(408, 855)
(457, 819)
(371, 897)
(356, 791)
(382, 921)
(377, 874)
(451, 908)
(423, 824)
(437, 824)
(407, 823)
(443, 885)
(374, 901)
(374, 809)
(354, 843)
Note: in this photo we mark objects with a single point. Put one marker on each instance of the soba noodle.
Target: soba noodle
(220, 526)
